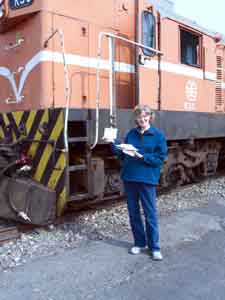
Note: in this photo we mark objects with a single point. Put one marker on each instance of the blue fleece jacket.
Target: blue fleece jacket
(152, 145)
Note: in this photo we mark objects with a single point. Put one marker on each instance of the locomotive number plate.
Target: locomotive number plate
(16, 4)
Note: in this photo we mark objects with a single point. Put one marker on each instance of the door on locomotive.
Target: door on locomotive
(149, 60)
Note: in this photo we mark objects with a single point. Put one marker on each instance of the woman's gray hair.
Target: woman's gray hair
(141, 108)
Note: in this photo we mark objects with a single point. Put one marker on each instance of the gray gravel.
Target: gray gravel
(105, 223)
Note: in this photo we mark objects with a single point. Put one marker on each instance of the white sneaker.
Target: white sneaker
(156, 255)
(136, 250)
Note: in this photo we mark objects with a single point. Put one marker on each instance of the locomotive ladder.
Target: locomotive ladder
(79, 168)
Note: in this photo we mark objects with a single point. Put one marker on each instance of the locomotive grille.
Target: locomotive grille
(219, 85)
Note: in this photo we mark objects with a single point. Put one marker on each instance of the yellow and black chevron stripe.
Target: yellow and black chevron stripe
(44, 139)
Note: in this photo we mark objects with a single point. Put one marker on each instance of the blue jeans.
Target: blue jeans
(146, 193)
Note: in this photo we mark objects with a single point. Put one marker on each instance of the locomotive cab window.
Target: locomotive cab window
(190, 48)
(148, 32)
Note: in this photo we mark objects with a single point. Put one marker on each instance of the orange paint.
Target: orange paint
(81, 23)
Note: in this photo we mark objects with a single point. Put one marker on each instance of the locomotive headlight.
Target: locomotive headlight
(2, 9)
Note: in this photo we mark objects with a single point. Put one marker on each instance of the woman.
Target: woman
(140, 174)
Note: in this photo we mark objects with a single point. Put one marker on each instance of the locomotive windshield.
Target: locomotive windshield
(148, 32)
(190, 46)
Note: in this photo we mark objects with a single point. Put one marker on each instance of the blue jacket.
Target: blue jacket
(152, 145)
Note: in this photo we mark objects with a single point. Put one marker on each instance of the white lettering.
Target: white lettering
(16, 3)
(189, 106)
(191, 90)
(21, 3)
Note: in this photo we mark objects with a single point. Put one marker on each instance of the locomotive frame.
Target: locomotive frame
(139, 52)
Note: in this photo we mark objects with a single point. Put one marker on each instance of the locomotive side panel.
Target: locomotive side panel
(40, 53)
(149, 78)
(191, 81)
(22, 73)
(76, 41)
(148, 87)
(95, 12)
(125, 84)
(82, 61)
(103, 62)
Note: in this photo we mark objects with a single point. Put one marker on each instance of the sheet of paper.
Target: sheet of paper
(127, 149)
(131, 153)
(110, 134)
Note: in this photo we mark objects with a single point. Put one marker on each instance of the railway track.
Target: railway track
(8, 232)
(11, 231)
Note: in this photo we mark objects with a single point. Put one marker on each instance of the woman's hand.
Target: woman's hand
(138, 155)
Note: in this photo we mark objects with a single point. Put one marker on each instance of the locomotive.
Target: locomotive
(71, 71)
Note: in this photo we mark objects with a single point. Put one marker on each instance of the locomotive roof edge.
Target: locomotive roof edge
(167, 9)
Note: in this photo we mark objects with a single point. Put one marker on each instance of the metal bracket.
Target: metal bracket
(18, 43)
(12, 100)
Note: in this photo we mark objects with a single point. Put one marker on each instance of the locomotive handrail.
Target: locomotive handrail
(109, 34)
(99, 55)
(66, 80)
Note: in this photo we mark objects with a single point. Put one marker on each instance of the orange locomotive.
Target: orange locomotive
(68, 71)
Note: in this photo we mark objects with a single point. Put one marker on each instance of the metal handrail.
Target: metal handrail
(67, 89)
(99, 55)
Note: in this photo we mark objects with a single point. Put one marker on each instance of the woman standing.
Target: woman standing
(140, 174)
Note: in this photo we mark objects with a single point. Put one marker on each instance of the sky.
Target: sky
(209, 14)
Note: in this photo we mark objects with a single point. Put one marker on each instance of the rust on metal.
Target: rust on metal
(8, 232)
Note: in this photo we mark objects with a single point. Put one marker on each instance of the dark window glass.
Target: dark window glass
(148, 32)
(190, 45)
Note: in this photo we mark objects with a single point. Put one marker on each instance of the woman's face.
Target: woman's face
(143, 120)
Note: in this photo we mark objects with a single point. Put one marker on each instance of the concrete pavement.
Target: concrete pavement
(193, 243)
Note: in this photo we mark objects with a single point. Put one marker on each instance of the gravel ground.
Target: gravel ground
(105, 223)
